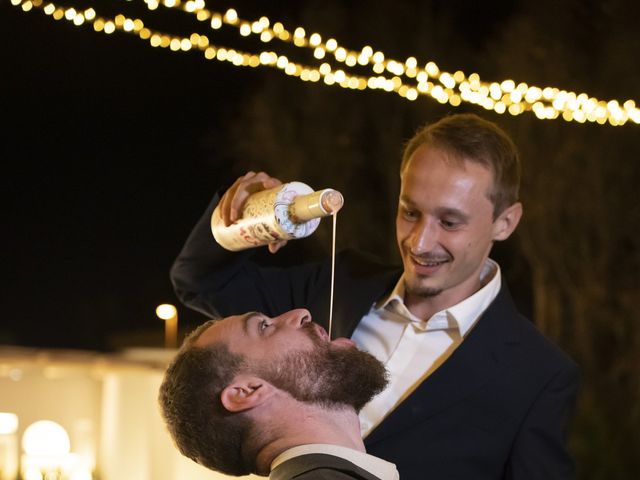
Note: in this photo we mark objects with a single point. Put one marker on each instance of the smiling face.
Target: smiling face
(445, 228)
(296, 355)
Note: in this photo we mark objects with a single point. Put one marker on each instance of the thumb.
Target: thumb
(275, 246)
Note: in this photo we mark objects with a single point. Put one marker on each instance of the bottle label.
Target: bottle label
(283, 200)
(265, 219)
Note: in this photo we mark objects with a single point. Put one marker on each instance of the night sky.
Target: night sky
(103, 176)
(107, 164)
(107, 151)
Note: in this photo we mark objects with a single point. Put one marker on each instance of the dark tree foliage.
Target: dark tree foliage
(580, 233)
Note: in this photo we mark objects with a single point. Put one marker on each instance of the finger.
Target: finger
(238, 195)
(275, 246)
(225, 201)
(271, 182)
(250, 184)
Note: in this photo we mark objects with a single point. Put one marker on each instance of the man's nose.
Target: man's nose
(423, 237)
(297, 317)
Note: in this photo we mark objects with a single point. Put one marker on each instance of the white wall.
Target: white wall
(68, 396)
(107, 404)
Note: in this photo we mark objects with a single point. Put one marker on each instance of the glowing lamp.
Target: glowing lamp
(169, 314)
(8, 423)
(47, 454)
(166, 311)
(46, 438)
(8, 445)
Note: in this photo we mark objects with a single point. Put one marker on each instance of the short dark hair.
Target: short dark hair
(468, 137)
(189, 398)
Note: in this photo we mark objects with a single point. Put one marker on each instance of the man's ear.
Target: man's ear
(507, 221)
(245, 392)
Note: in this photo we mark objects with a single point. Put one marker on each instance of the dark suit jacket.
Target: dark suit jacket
(498, 408)
(320, 466)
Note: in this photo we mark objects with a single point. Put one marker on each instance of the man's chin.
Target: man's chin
(417, 289)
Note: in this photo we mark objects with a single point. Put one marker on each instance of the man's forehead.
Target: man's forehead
(444, 154)
(223, 329)
(426, 154)
(208, 336)
(215, 332)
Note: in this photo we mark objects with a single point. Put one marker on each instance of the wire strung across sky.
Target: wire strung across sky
(405, 78)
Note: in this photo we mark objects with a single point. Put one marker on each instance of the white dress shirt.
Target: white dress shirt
(378, 467)
(412, 348)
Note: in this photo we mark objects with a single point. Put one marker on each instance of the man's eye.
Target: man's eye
(449, 225)
(409, 214)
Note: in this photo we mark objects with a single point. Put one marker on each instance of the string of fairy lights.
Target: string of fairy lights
(337, 64)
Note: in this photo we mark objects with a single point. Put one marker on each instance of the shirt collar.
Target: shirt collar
(461, 316)
(383, 469)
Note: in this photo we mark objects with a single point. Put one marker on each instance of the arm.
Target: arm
(202, 266)
(217, 282)
(540, 449)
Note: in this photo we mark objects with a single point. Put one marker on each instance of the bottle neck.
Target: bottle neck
(315, 205)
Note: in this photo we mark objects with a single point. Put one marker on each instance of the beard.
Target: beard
(414, 283)
(414, 287)
(328, 376)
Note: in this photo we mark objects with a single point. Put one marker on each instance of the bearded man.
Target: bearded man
(272, 396)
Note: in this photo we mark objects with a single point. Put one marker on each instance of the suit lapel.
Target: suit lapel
(476, 361)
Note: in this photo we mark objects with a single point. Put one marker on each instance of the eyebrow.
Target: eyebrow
(441, 211)
(406, 200)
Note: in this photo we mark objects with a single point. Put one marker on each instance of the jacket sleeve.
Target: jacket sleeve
(218, 283)
(540, 449)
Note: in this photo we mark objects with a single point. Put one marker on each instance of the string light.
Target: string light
(403, 77)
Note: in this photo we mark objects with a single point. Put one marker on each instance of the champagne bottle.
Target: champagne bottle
(290, 211)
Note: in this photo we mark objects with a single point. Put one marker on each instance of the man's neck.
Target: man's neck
(312, 424)
(424, 307)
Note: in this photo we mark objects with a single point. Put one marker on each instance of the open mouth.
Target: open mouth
(340, 341)
(321, 332)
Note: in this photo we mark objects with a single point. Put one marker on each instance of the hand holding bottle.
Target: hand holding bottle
(233, 200)
(260, 210)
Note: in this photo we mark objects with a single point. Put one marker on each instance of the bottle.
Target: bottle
(290, 211)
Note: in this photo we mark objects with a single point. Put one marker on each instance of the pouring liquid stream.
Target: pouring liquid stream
(333, 271)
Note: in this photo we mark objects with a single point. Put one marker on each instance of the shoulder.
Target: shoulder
(539, 342)
(536, 352)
